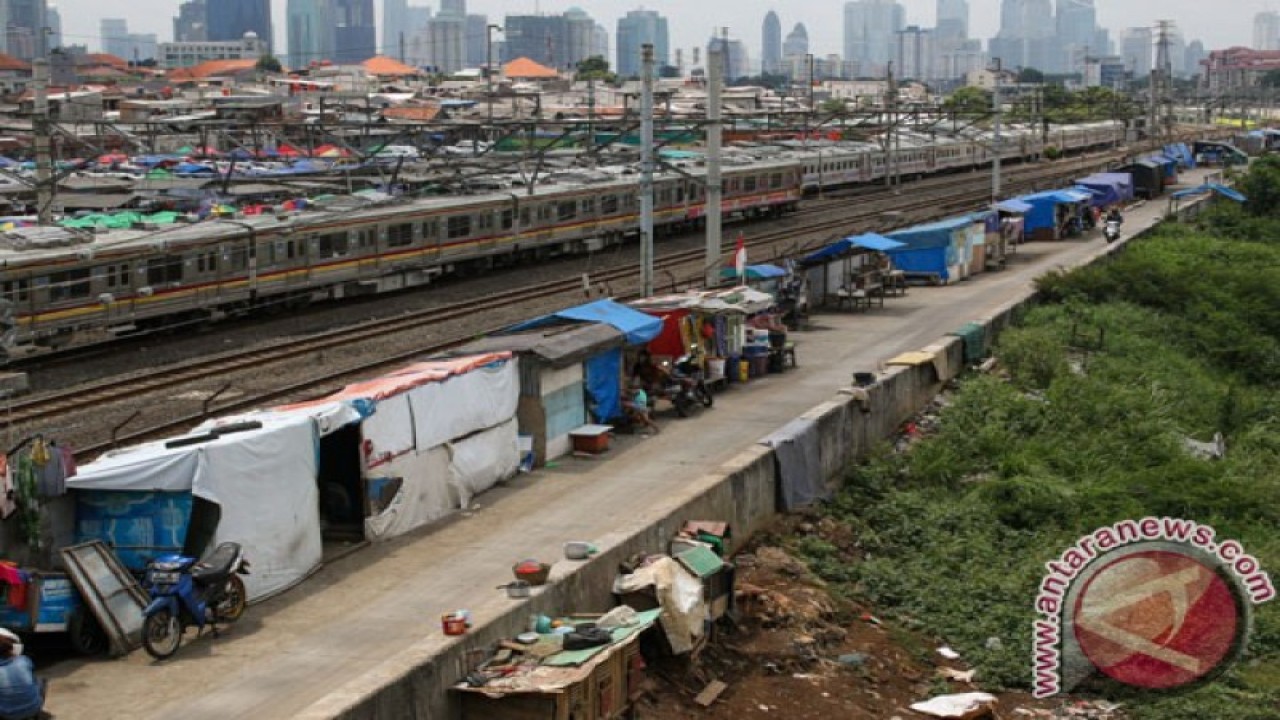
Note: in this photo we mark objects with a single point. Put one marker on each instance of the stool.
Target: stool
(789, 351)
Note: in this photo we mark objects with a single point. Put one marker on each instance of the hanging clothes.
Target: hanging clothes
(52, 477)
(8, 498)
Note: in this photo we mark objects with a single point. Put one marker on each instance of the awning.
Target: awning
(1222, 190)
(636, 326)
(1013, 206)
(1074, 196)
(756, 272)
(866, 241)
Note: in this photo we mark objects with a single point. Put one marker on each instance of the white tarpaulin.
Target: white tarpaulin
(424, 495)
(388, 432)
(482, 460)
(264, 480)
(463, 404)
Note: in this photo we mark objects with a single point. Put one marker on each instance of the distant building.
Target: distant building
(476, 43)
(960, 60)
(1137, 48)
(913, 57)
(1266, 30)
(189, 54)
(395, 27)
(25, 24)
(440, 45)
(53, 20)
(869, 30)
(454, 7)
(1105, 71)
(1193, 58)
(229, 20)
(1077, 27)
(114, 33)
(737, 60)
(953, 20)
(771, 44)
(191, 23)
(600, 42)
(355, 35)
(1026, 37)
(635, 29)
(310, 27)
(1239, 67)
(559, 42)
(797, 42)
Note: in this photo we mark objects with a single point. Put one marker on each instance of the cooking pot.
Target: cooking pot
(516, 589)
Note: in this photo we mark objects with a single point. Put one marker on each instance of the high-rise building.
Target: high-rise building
(355, 36)
(395, 28)
(1137, 48)
(25, 24)
(737, 61)
(953, 20)
(476, 44)
(191, 24)
(53, 20)
(231, 19)
(771, 44)
(580, 30)
(600, 43)
(1195, 55)
(1026, 34)
(797, 42)
(557, 41)
(1266, 30)
(310, 28)
(1077, 28)
(441, 44)
(913, 56)
(869, 30)
(453, 7)
(417, 17)
(635, 29)
(115, 37)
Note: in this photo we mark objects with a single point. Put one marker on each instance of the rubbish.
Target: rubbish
(516, 589)
(948, 653)
(578, 550)
(964, 706)
(452, 624)
(856, 659)
(710, 693)
(994, 643)
(964, 676)
(621, 616)
(868, 617)
(1213, 450)
(527, 638)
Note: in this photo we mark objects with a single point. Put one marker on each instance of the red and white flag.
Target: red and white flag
(740, 257)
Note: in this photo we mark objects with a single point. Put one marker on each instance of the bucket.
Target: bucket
(744, 370)
(453, 624)
(715, 368)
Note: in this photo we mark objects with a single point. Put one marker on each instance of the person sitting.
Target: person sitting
(1114, 215)
(772, 323)
(636, 406)
(21, 694)
(651, 375)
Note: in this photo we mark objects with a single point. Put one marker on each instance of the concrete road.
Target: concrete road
(378, 608)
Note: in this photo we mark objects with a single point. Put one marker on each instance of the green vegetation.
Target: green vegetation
(1177, 337)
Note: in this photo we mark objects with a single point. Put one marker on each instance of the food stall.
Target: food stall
(850, 269)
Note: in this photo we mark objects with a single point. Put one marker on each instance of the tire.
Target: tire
(234, 600)
(681, 404)
(704, 395)
(162, 634)
(85, 633)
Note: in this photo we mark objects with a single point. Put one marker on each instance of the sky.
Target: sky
(692, 22)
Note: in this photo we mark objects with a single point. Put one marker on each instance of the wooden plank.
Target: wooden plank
(710, 693)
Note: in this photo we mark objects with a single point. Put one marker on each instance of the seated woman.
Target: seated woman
(21, 694)
(635, 403)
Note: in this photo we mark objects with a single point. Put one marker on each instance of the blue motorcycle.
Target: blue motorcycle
(186, 592)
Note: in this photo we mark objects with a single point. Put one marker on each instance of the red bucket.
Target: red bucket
(453, 624)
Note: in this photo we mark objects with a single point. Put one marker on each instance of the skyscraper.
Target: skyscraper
(442, 43)
(191, 24)
(1137, 48)
(797, 42)
(1077, 28)
(395, 27)
(771, 44)
(737, 62)
(600, 42)
(1026, 33)
(1266, 31)
(913, 54)
(869, 28)
(114, 33)
(476, 44)
(953, 20)
(635, 29)
(231, 19)
(26, 21)
(53, 20)
(557, 41)
(1194, 55)
(310, 28)
(454, 7)
(354, 32)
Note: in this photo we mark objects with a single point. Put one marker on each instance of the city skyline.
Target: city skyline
(689, 28)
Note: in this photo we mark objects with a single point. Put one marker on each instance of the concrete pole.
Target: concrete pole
(997, 142)
(43, 149)
(646, 171)
(715, 134)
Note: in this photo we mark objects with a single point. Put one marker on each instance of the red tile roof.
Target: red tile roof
(387, 67)
(526, 68)
(213, 68)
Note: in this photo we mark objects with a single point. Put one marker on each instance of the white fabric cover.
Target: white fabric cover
(424, 496)
(328, 417)
(264, 480)
(388, 432)
(463, 404)
(479, 462)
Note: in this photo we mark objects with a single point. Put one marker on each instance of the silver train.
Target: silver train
(56, 282)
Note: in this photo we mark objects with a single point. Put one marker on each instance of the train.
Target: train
(56, 282)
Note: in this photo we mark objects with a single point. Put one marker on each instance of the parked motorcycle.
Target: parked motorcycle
(185, 591)
(687, 386)
(1111, 231)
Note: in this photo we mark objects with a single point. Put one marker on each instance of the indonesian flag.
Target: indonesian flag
(740, 257)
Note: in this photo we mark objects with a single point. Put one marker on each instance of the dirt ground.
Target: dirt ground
(798, 652)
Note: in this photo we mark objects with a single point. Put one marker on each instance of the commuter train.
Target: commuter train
(55, 282)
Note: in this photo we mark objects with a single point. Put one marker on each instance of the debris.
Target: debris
(994, 643)
(856, 659)
(946, 652)
(964, 676)
(964, 706)
(868, 617)
(1213, 450)
(710, 693)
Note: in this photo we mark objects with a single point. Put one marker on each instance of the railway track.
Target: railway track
(869, 214)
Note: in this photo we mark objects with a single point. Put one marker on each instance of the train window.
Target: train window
(680, 193)
(69, 284)
(589, 206)
(332, 245)
(609, 205)
(484, 221)
(431, 228)
(775, 181)
(162, 270)
(508, 219)
(459, 226)
(17, 290)
(566, 211)
(400, 235)
(239, 258)
(749, 183)
(366, 237)
(544, 213)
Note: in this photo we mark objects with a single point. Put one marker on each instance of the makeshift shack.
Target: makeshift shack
(1011, 217)
(1054, 214)
(1212, 152)
(1182, 153)
(840, 271)
(937, 252)
(709, 324)
(1148, 178)
(1108, 188)
(989, 252)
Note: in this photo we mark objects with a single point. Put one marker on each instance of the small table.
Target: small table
(591, 439)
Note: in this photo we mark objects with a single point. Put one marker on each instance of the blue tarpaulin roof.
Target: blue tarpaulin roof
(868, 241)
(1013, 206)
(1222, 190)
(1043, 204)
(638, 327)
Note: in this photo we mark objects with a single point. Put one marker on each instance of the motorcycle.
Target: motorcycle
(686, 386)
(185, 591)
(1111, 231)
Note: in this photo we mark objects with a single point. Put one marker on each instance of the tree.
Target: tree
(833, 106)
(595, 68)
(1262, 186)
(668, 71)
(1271, 79)
(269, 63)
(1030, 75)
(969, 100)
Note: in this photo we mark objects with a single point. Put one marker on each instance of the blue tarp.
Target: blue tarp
(637, 327)
(1222, 190)
(603, 372)
(1181, 153)
(1013, 206)
(867, 241)
(757, 272)
(928, 248)
(1043, 204)
(1104, 190)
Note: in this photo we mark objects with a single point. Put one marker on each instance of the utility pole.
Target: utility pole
(488, 69)
(808, 116)
(43, 147)
(893, 142)
(646, 171)
(997, 107)
(712, 208)
(1162, 80)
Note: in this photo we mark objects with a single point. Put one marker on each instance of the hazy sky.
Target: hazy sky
(1219, 24)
